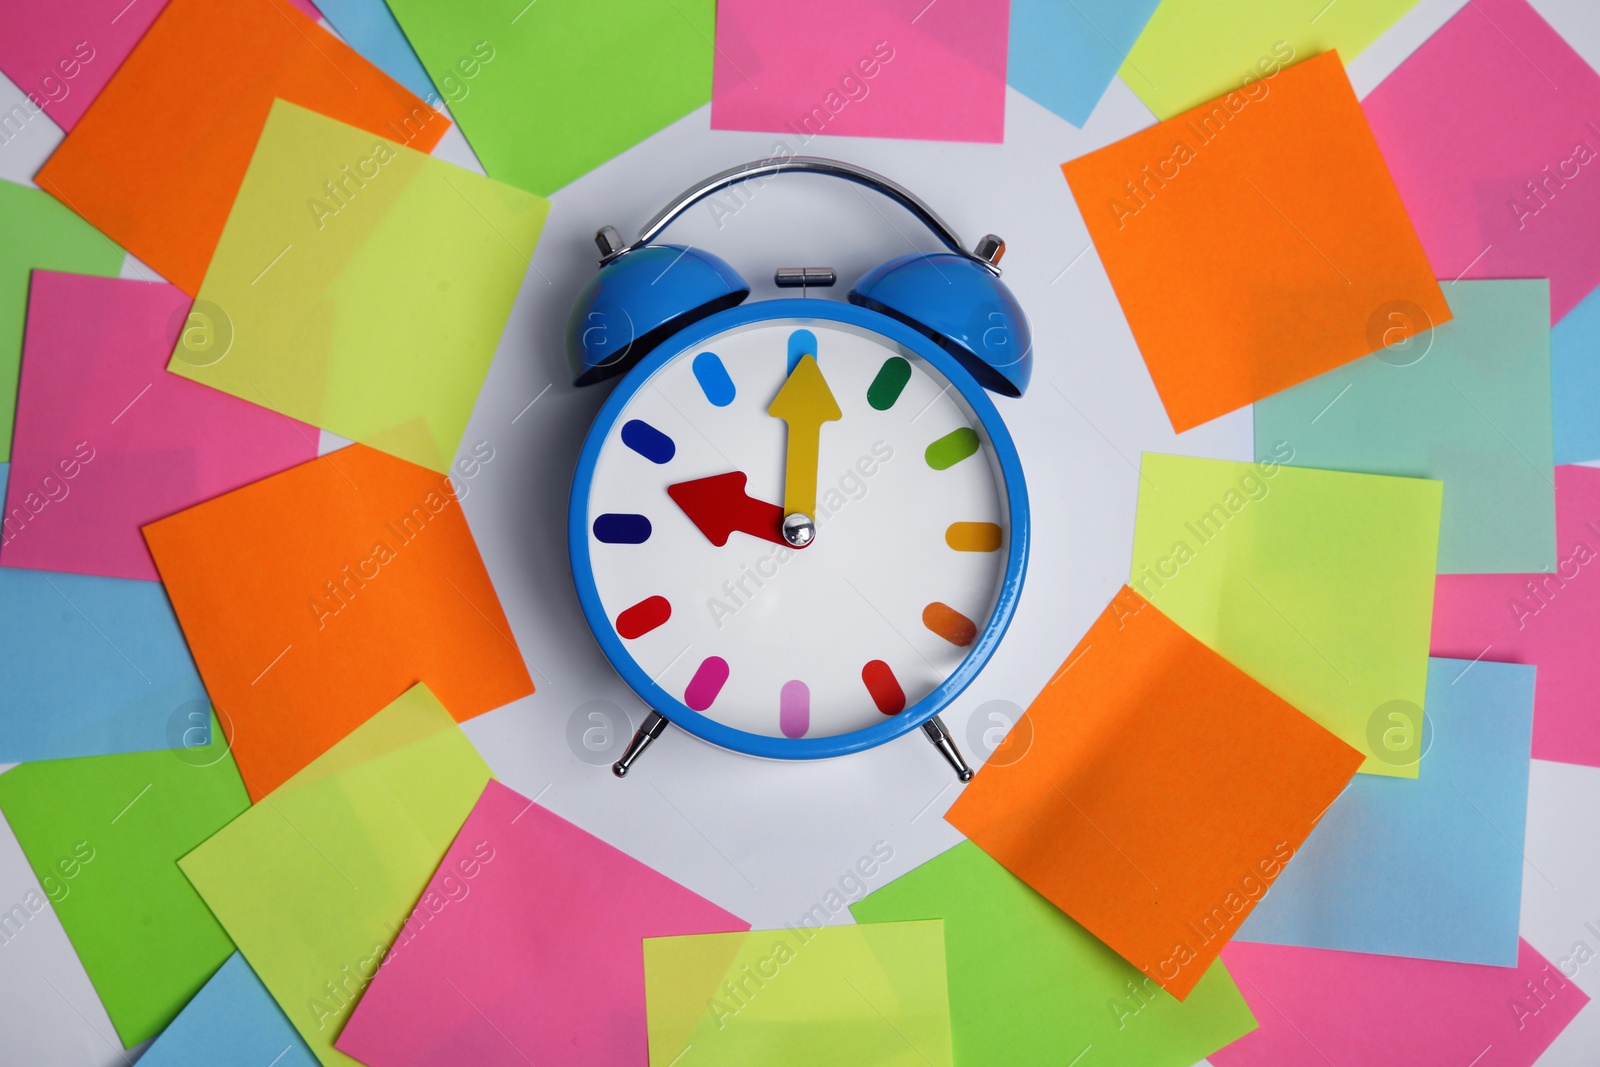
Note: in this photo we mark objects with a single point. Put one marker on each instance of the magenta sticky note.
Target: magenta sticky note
(1314, 1007)
(107, 440)
(861, 68)
(1492, 132)
(525, 948)
(1551, 620)
(62, 52)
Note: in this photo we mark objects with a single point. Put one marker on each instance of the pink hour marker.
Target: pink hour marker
(707, 682)
(794, 709)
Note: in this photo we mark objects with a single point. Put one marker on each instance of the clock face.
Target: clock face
(686, 506)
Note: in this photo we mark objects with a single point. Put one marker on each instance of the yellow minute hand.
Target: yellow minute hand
(805, 402)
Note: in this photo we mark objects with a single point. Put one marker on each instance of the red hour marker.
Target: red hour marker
(884, 687)
(643, 617)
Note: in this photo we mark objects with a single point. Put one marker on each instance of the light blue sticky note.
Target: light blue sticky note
(1064, 53)
(1467, 403)
(232, 1020)
(1575, 380)
(92, 666)
(1432, 867)
(369, 27)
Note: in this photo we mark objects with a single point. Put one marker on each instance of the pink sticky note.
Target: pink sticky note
(107, 439)
(1492, 132)
(1550, 620)
(62, 52)
(862, 68)
(525, 948)
(1315, 1007)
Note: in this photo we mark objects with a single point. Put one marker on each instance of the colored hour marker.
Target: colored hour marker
(713, 379)
(643, 617)
(801, 343)
(952, 448)
(794, 709)
(618, 529)
(884, 687)
(891, 380)
(707, 682)
(973, 536)
(949, 624)
(648, 441)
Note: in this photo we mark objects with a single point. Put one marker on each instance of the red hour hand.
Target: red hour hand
(719, 506)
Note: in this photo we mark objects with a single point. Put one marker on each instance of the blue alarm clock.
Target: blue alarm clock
(798, 527)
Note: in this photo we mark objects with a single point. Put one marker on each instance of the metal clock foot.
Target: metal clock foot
(940, 736)
(654, 723)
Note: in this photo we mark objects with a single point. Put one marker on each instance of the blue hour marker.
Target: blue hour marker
(714, 380)
(648, 441)
(616, 529)
(801, 343)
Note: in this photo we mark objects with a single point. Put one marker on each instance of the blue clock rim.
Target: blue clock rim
(764, 745)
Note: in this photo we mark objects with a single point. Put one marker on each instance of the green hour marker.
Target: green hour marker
(952, 448)
(890, 382)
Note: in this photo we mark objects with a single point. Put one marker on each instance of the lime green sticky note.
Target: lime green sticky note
(41, 233)
(360, 286)
(103, 834)
(1318, 584)
(547, 91)
(848, 996)
(313, 882)
(1029, 985)
(1193, 51)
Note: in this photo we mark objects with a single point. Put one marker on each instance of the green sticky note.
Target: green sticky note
(1317, 584)
(360, 286)
(1193, 51)
(1467, 403)
(313, 882)
(40, 234)
(547, 91)
(104, 834)
(1029, 985)
(848, 996)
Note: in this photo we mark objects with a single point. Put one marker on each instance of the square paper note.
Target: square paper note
(1064, 55)
(1575, 381)
(1255, 241)
(232, 1020)
(1317, 584)
(1163, 792)
(1467, 403)
(361, 286)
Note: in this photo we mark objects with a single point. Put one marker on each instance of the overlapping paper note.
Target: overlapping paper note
(1255, 241)
(1163, 793)
(232, 1020)
(313, 598)
(1029, 985)
(313, 882)
(62, 52)
(371, 29)
(1575, 381)
(1064, 55)
(1318, 584)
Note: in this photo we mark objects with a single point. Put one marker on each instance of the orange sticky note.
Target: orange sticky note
(1162, 792)
(314, 598)
(157, 159)
(1256, 241)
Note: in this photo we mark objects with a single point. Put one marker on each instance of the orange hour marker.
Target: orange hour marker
(973, 536)
(949, 624)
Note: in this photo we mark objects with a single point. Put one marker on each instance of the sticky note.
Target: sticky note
(163, 189)
(1317, 1007)
(373, 306)
(62, 52)
(313, 881)
(107, 441)
(847, 995)
(521, 78)
(1492, 130)
(313, 598)
(1430, 869)
(1163, 792)
(370, 28)
(1317, 584)
(40, 234)
(103, 835)
(1575, 381)
(1550, 619)
(92, 666)
(233, 1019)
(524, 947)
(1193, 50)
(1255, 241)
(1467, 403)
(1029, 985)
(1064, 55)
(899, 68)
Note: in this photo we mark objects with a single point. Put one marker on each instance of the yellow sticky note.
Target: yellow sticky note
(360, 286)
(872, 995)
(1318, 584)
